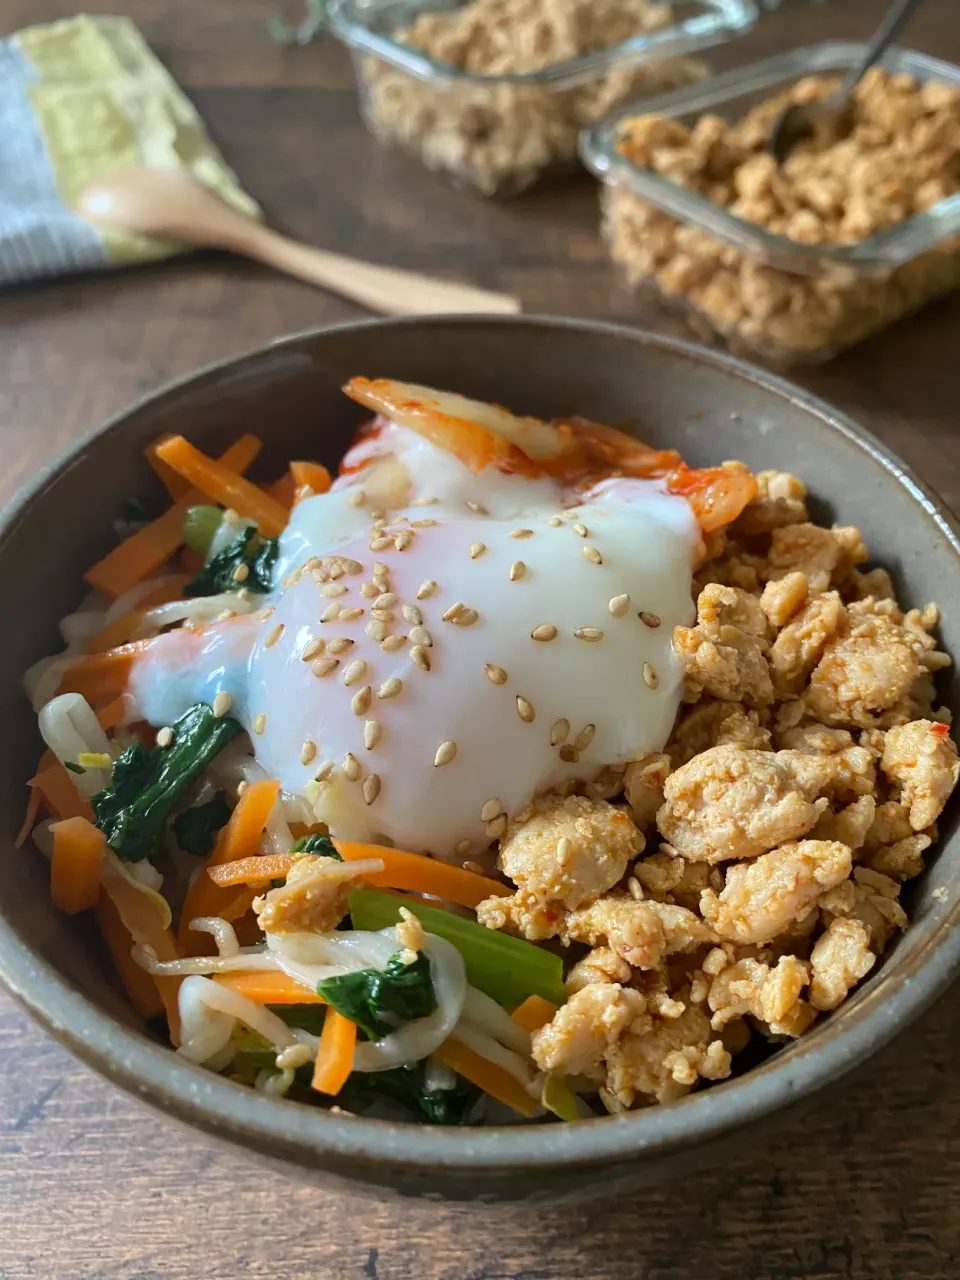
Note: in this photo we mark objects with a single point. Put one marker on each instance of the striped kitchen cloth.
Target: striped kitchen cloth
(79, 99)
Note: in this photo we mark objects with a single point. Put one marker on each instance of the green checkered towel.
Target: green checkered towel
(79, 99)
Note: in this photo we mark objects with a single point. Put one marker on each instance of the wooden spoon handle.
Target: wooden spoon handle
(384, 289)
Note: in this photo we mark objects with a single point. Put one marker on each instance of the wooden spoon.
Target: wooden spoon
(171, 204)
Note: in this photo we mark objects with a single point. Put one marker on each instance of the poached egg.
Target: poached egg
(443, 645)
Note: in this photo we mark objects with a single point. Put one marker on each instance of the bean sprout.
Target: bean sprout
(69, 727)
(221, 930)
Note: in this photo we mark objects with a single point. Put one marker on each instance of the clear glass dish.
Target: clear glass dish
(500, 134)
(836, 293)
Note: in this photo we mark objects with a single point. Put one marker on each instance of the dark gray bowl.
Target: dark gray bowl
(709, 406)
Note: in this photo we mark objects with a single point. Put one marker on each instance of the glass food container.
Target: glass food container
(763, 293)
(500, 133)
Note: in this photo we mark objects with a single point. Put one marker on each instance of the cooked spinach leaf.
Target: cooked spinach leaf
(147, 784)
(308, 1017)
(377, 1000)
(250, 549)
(316, 844)
(196, 829)
(407, 1085)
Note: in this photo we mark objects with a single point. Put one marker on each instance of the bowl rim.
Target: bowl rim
(304, 1135)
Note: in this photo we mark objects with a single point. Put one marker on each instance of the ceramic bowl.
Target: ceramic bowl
(707, 405)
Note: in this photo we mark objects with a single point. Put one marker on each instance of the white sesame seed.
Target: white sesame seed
(564, 847)
(584, 737)
(421, 656)
(445, 753)
(371, 788)
(648, 619)
(424, 502)
(521, 533)
(420, 635)
(336, 570)
(491, 809)
(386, 601)
(426, 589)
(475, 867)
(517, 570)
(581, 529)
(588, 633)
(390, 644)
(274, 636)
(376, 629)
(497, 827)
(351, 766)
(360, 702)
(558, 731)
(242, 572)
(324, 772)
(635, 888)
(390, 688)
(495, 674)
(308, 751)
(554, 522)
(466, 618)
(312, 648)
(357, 498)
(339, 645)
(222, 704)
(330, 613)
(350, 615)
(593, 555)
(545, 631)
(380, 570)
(525, 710)
(477, 549)
(402, 541)
(333, 589)
(422, 524)
(324, 666)
(371, 733)
(164, 736)
(241, 787)
(380, 544)
(354, 671)
(352, 566)
(221, 617)
(267, 613)
(476, 508)
(462, 847)
(650, 677)
(412, 614)
(450, 614)
(368, 590)
(383, 615)
(569, 755)
(378, 515)
(230, 516)
(260, 723)
(618, 605)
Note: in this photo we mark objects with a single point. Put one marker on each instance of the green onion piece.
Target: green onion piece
(557, 1098)
(199, 526)
(506, 969)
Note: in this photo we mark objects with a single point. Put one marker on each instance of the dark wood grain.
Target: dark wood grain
(90, 1185)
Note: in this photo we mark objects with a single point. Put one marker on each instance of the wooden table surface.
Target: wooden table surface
(93, 1186)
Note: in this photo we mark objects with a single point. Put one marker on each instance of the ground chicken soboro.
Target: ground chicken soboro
(742, 882)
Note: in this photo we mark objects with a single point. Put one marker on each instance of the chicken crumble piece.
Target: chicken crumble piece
(314, 898)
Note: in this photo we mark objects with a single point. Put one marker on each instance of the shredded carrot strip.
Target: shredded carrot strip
(123, 628)
(267, 866)
(312, 474)
(59, 794)
(146, 550)
(174, 484)
(101, 677)
(268, 988)
(78, 849)
(223, 485)
(240, 838)
(30, 817)
(142, 917)
(534, 1013)
(485, 1075)
(422, 875)
(138, 984)
(283, 490)
(112, 713)
(338, 1040)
